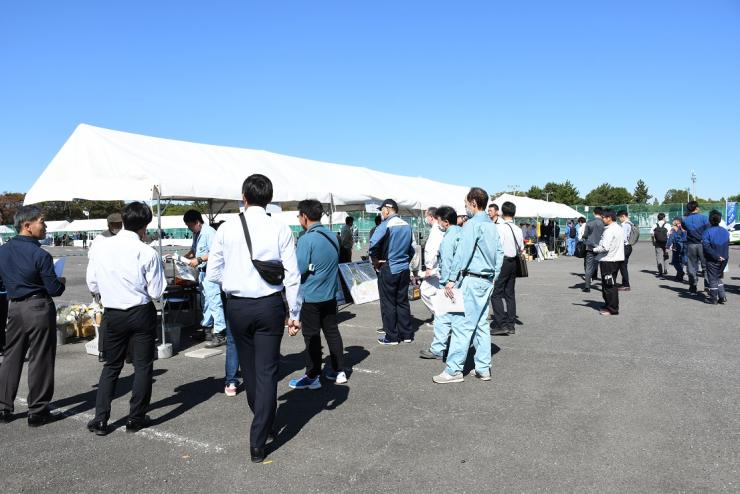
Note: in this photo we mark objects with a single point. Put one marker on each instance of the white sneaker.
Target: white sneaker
(341, 378)
(230, 390)
(445, 378)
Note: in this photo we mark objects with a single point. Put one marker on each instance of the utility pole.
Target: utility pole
(547, 196)
(514, 189)
(693, 184)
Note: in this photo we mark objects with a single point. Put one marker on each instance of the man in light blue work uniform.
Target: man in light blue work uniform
(446, 219)
(476, 265)
(391, 250)
(213, 309)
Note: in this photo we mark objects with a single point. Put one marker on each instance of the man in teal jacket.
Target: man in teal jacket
(476, 265)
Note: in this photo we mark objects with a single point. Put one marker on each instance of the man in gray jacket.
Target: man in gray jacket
(592, 236)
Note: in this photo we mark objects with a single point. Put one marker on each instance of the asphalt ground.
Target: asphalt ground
(646, 401)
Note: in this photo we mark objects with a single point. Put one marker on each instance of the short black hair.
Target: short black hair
(378, 219)
(691, 206)
(311, 208)
(494, 206)
(446, 213)
(257, 189)
(609, 213)
(661, 216)
(478, 196)
(26, 214)
(136, 216)
(432, 212)
(508, 209)
(192, 216)
(581, 220)
(715, 217)
(349, 220)
(598, 210)
(622, 212)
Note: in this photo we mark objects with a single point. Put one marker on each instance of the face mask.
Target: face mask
(115, 231)
(469, 212)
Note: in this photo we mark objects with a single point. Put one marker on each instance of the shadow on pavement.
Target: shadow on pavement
(299, 406)
(187, 397)
(593, 304)
(86, 401)
(683, 292)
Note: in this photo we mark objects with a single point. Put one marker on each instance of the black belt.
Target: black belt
(234, 297)
(506, 258)
(488, 277)
(29, 297)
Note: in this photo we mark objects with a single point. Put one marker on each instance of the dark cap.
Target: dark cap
(115, 218)
(389, 203)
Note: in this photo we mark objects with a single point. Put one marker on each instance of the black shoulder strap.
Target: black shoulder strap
(246, 234)
(329, 239)
(518, 249)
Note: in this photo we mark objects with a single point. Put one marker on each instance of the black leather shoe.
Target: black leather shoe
(499, 332)
(5, 416)
(99, 427)
(217, 340)
(39, 419)
(257, 454)
(135, 425)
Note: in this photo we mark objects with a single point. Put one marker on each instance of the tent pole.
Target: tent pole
(159, 236)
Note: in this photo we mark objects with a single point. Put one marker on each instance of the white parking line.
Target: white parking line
(149, 433)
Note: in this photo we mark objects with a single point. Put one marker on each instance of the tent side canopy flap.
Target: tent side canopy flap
(103, 164)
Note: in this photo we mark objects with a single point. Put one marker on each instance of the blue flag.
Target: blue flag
(731, 216)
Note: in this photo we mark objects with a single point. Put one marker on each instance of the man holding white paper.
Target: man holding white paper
(430, 285)
(476, 265)
(446, 219)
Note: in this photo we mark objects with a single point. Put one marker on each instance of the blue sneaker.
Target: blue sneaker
(385, 341)
(305, 382)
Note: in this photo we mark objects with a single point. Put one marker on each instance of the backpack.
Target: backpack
(660, 234)
(634, 234)
(572, 233)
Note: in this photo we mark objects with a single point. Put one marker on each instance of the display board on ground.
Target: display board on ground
(362, 281)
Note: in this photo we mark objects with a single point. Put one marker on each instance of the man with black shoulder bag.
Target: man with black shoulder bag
(512, 242)
(254, 261)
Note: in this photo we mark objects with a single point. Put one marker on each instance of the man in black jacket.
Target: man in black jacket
(592, 236)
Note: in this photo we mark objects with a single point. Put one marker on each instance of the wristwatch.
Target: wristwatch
(200, 260)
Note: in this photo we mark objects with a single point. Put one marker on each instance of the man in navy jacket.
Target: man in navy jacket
(716, 243)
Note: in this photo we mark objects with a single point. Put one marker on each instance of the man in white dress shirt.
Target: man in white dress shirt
(128, 275)
(512, 240)
(610, 255)
(430, 285)
(254, 309)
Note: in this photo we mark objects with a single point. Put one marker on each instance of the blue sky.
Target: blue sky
(486, 93)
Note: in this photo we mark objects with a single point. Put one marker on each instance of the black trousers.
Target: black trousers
(623, 268)
(3, 319)
(394, 303)
(31, 327)
(345, 255)
(257, 325)
(503, 291)
(590, 266)
(137, 326)
(315, 317)
(610, 293)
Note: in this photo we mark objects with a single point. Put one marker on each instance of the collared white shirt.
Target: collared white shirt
(581, 228)
(431, 249)
(627, 229)
(512, 239)
(611, 246)
(229, 265)
(125, 272)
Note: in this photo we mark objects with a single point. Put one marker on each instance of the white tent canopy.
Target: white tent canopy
(533, 208)
(102, 164)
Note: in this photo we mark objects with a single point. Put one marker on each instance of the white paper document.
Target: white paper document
(59, 266)
(443, 304)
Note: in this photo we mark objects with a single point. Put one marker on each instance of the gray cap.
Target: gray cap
(115, 218)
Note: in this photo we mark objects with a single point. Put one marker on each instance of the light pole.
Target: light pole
(693, 184)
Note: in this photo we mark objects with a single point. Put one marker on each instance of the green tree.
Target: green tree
(735, 198)
(535, 192)
(9, 204)
(565, 192)
(606, 194)
(675, 196)
(641, 195)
